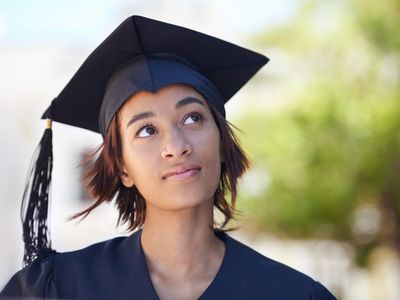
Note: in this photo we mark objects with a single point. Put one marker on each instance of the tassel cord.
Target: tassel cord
(34, 208)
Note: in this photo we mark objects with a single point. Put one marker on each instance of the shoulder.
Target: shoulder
(85, 267)
(273, 278)
(53, 273)
(256, 263)
(90, 255)
(34, 280)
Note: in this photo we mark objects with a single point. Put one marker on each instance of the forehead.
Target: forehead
(164, 98)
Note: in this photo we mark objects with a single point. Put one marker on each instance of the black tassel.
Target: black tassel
(35, 200)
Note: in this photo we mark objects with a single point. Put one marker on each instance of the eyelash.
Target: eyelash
(148, 124)
(193, 113)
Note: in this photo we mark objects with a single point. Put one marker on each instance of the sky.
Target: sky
(81, 22)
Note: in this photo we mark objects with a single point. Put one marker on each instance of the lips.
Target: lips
(182, 172)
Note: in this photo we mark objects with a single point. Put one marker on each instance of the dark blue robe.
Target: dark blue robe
(116, 269)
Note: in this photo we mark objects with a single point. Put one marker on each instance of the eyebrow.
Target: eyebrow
(140, 116)
(149, 114)
(187, 101)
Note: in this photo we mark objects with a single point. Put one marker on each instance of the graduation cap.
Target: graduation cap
(140, 54)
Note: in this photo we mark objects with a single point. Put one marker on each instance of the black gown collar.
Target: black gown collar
(140, 276)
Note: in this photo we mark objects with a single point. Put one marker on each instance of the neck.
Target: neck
(181, 242)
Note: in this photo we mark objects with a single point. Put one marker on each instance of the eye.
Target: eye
(193, 118)
(146, 131)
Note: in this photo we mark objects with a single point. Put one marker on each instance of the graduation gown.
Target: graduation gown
(116, 269)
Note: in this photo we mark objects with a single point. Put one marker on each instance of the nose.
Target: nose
(175, 144)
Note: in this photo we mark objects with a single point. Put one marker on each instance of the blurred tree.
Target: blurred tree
(331, 153)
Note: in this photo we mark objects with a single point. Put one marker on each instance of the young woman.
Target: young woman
(156, 93)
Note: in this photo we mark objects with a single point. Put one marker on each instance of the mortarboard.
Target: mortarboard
(140, 54)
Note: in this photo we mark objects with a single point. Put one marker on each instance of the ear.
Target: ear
(126, 179)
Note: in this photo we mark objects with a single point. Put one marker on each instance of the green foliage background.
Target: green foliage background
(330, 154)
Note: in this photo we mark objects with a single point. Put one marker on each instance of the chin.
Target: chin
(182, 201)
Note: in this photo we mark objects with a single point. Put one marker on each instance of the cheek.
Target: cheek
(210, 144)
(139, 162)
(207, 148)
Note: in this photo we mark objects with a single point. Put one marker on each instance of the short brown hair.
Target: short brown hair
(106, 165)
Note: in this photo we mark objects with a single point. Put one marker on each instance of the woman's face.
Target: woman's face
(170, 147)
